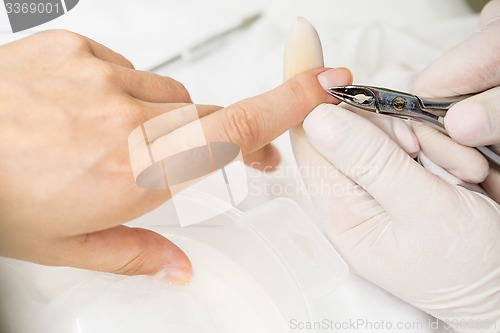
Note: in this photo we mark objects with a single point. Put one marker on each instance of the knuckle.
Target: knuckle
(72, 42)
(138, 259)
(103, 72)
(118, 112)
(134, 266)
(132, 261)
(126, 62)
(127, 113)
(177, 89)
(98, 72)
(297, 87)
(424, 133)
(241, 126)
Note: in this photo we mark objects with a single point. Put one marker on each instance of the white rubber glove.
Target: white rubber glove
(471, 67)
(432, 244)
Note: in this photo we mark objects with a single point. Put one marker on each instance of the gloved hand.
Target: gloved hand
(433, 244)
(471, 67)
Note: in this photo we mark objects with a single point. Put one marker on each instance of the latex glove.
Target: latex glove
(433, 244)
(471, 67)
(303, 52)
(67, 107)
(428, 242)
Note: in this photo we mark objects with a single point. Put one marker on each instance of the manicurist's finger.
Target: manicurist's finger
(398, 130)
(490, 12)
(365, 154)
(343, 206)
(470, 67)
(461, 161)
(476, 120)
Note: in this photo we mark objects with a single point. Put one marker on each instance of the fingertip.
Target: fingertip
(303, 49)
(158, 256)
(472, 169)
(175, 275)
(475, 173)
(266, 159)
(463, 162)
(468, 123)
(178, 268)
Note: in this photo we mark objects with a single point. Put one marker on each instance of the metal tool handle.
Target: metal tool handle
(408, 106)
(441, 103)
(492, 157)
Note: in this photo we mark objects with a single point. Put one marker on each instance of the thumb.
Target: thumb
(130, 251)
(365, 154)
(476, 120)
(470, 67)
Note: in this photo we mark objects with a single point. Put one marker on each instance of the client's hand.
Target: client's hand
(67, 107)
(430, 243)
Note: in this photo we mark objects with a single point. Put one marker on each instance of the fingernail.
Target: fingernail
(175, 275)
(333, 77)
(468, 123)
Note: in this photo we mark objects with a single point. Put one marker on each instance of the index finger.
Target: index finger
(254, 122)
(98, 50)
